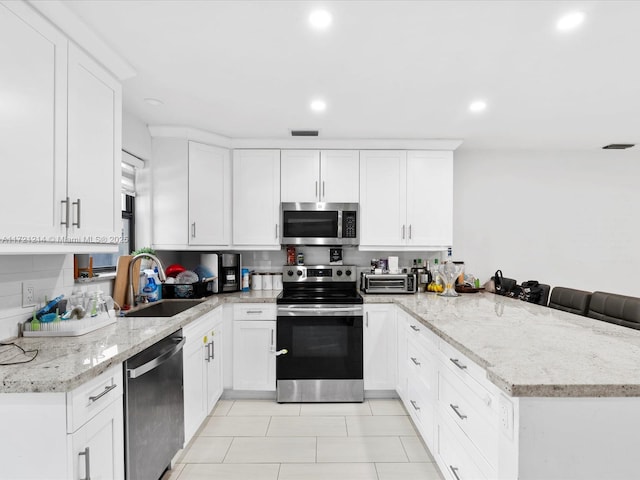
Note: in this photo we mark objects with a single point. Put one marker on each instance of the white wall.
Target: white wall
(562, 218)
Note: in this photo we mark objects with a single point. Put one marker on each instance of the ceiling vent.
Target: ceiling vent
(304, 133)
(618, 146)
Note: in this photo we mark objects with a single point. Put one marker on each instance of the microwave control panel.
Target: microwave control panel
(349, 223)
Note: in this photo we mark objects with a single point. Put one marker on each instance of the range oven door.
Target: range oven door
(319, 353)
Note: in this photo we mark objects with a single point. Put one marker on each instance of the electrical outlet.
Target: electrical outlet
(506, 416)
(28, 294)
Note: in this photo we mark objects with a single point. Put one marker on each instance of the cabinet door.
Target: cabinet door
(339, 176)
(254, 362)
(429, 198)
(194, 380)
(214, 367)
(94, 150)
(98, 446)
(380, 347)
(300, 176)
(382, 198)
(209, 195)
(401, 357)
(169, 177)
(33, 55)
(256, 198)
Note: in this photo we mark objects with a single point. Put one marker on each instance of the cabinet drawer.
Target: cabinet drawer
(424, 336)
(421, 406)
(473, 416)
(89, 399)
(254, 311)
(455, 462)
(421, 366)
(465, 369)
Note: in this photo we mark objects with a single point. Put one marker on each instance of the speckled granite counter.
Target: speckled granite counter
(527, 350)
(63, 363)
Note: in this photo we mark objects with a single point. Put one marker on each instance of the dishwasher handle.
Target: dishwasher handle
(159, 360)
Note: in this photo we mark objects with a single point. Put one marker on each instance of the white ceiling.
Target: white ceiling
(387, 69)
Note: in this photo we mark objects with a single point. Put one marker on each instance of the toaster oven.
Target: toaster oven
(388, 283)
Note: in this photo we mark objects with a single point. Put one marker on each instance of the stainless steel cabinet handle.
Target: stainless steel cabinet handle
(254, 312)
(457, 363)
(193, 230)
(409, 231)
(272, 345)
(367, 320)
(454, 470)
(276, 230)
(403, 228)
(455, 409)
(413, 404)
(207, 355)
(413, 327)
(106, 390)
(323, 189)
(213, 350)
(415, 360)
(66, 212)
(77, 224)
(87, 464)
(316, 189)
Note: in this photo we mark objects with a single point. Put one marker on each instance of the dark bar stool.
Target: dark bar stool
(570, 300)
(613, 308)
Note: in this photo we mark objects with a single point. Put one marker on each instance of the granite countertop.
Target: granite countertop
(64, 363)
(527, 350)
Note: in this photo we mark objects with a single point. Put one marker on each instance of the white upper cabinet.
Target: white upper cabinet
(94, 151)
(33, 94)
(256, 199)
(60, 138)
(383, 198)
(429, 198)
(191, 195)
(406, 199)
(320, 176)
(209, 195)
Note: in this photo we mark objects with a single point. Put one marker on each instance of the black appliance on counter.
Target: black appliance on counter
(319, 346)
(226, 270)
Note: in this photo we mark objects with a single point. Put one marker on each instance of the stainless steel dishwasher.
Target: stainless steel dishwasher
(154, 408)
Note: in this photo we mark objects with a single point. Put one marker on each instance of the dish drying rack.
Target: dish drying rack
(71, 327)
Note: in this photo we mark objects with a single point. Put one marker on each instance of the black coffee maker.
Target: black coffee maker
(229, 279)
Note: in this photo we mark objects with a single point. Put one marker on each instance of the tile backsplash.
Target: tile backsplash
(51, 275)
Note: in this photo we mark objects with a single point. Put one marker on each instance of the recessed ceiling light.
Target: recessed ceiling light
(478, 106)
(570, 21)
(318, 105)
(154, 101)
(320, 19)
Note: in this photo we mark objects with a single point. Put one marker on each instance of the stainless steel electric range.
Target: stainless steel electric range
(319, 335)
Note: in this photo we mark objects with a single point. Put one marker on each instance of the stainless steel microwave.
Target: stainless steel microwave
(311, 223)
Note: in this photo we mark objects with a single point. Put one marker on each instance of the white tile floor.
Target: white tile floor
(264, 440)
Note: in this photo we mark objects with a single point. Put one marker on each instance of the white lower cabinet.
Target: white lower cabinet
(379, 345)
(65, 436)
(254, 343)
(202, 369)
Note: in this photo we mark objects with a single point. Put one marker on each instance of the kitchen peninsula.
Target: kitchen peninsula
(557, 395)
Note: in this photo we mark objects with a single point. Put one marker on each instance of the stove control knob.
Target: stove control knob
(299, 273)
(290, 273)
(339, 273)
(348, 272)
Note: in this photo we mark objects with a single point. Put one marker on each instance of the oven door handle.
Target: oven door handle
(321, 309)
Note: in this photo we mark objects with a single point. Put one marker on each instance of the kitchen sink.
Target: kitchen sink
(164, 308)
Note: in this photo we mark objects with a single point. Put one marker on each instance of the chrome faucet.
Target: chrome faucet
(161, 275)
